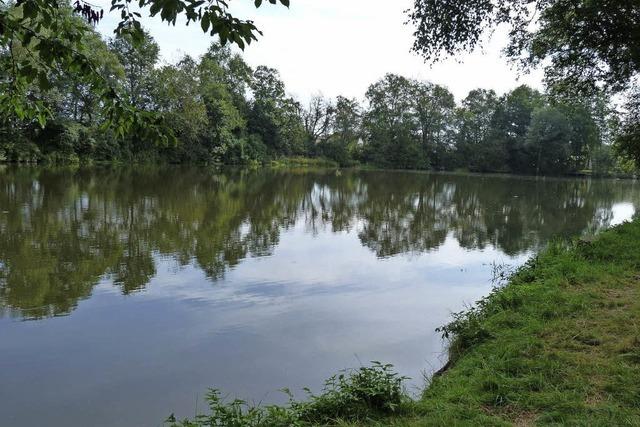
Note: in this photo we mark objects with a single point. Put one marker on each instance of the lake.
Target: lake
(126, 293)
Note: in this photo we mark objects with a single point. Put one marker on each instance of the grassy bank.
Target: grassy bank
(558, 345)
(302, 162)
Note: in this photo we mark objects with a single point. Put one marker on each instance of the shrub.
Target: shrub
(353, 395)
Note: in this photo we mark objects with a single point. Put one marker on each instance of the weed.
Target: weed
(351, 396)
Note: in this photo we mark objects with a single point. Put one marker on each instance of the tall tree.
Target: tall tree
(392, 125)
(627, 140)
(178, 97)
(479, 146)
(346, 130)
(585, 46)
(512, 123)
(549, 141)
(229, 68)
(226, 124)
(274, 116)
(317, 119)
(435, 107)
(57, 43)
(138, 59)
(347, 119)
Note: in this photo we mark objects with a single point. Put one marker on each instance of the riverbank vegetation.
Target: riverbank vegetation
(559, 344)
(218, 109)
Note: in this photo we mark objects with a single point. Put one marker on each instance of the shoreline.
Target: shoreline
(308, 163)
(559, 343)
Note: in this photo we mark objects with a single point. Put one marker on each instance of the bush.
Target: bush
(354, 395)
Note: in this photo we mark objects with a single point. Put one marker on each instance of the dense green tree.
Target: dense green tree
(479, 146)
(274, 116)
(391, 124)
(585, 46)
(512, 122)
(139, 60)
(585, 136)
(435, 108)
(347, 120)
(221, 111)
(56, 42)
(628, 137)
(229, 68)
(79, 101)
(73, 106)
(225, 122)
(343, 145)
(548, 141)
(178, 97)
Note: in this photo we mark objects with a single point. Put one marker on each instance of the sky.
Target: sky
(340, 47)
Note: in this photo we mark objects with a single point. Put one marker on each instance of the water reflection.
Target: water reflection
(62, 231)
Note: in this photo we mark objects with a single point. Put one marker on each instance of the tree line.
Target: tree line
(218, 109)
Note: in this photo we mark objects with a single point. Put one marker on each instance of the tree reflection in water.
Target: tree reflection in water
(62, 231)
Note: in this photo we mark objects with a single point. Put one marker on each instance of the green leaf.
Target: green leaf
(204, 22)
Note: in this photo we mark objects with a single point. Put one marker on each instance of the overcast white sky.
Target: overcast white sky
(339, 47)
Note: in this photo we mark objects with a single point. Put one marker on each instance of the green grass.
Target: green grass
(558, 345)
(303, 162)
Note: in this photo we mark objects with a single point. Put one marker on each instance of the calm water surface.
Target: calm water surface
(125, 294)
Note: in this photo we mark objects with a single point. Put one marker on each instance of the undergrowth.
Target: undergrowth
(355, 395)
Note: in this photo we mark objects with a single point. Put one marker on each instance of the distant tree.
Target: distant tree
(229, 68)
(627, 140)
(585, 135)
(584, 46)
(435, 106)
(226, 123)
(317, 119)
(275, 117)
(512, 121)
(479, 145)
(138, 59)
(178, 98)
(391, 124)
(79, 101)
(347, 120)
(343, 142)
(549, 141)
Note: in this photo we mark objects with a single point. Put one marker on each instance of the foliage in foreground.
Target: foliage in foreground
(355, 395)
(57, 38)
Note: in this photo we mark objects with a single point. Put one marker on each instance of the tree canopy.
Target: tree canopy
(220, 110)
(585, 43)
(43, 38)
(66, 92)
(584, 46)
